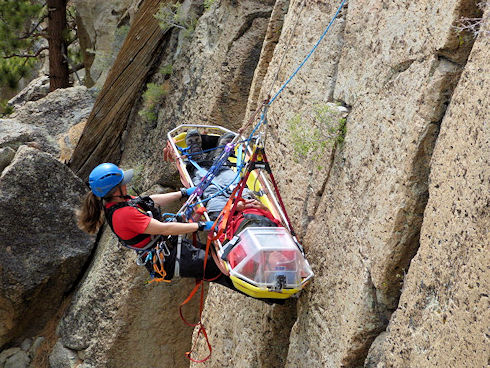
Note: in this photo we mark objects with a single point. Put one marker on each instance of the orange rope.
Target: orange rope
(159, 269)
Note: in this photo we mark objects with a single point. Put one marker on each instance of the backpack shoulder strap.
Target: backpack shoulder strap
(129, 243)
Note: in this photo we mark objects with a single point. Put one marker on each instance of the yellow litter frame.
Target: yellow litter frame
(256, 182)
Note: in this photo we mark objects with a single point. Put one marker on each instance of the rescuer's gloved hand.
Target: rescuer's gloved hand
(205, 225)
(186, 192)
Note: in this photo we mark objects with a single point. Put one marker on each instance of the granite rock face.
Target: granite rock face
(115, 320)
(102, 28)
(380, 148)
(442, 318)
(209, 84)
(358, 204)
(35, 90)
(42, 250)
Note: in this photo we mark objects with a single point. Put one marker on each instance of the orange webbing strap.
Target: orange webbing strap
(202, 329)
(187, 300)
(222, 220)
(200, 284)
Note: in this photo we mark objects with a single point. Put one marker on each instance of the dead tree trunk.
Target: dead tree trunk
(58, 58)
(101, 138)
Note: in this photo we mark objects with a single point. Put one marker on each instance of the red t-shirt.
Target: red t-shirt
(129, 222)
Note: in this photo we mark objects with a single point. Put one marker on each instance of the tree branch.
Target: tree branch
(31, 33)
(26, 55)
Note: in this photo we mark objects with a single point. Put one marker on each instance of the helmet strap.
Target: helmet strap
(117, 196)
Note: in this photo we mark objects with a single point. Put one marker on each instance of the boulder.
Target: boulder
(58, 111)
(14, 134)
(18, 360)
(26, 345)
(46, 122)
(7, 353)
(6, 156)
(42, 250)
(35, 90)
(62, 357)
(38, 341)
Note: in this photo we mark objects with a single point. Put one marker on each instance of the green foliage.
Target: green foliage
(207, 4)
(152, 98)
(166, 69)
(19, 35)
(23, 38)
(172, 15)
(5, 108)
(313, 141)
(191, 27)
(13, 69)
(18, 20)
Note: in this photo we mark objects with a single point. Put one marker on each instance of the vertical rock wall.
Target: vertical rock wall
(443, 314)
(102, 27)
(357, 200)
(360, 206)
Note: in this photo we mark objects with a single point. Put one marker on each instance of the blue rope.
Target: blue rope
(307, 56)
(262, 119)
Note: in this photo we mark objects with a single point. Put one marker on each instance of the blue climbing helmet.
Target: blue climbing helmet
(106, 177)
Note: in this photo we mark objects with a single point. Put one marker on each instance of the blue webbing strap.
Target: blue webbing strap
(203, 172)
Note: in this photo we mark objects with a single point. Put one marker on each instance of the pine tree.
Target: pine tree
(25, 26)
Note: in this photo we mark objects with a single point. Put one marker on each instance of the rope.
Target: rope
(239, 169)
(265, 105)
(286, 50)
(309, 54)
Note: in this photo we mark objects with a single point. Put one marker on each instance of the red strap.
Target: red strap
(187, 300)
(279, 198)
(202, 329)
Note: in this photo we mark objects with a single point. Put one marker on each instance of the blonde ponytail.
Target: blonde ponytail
(91, 215)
